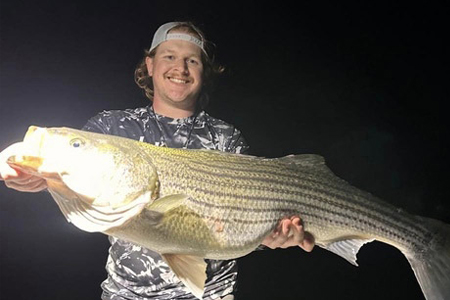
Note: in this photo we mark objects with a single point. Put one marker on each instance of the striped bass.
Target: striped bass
(189, 205)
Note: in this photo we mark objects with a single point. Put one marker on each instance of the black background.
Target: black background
(363, 84)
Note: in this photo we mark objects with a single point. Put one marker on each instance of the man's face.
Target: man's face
(177, 71)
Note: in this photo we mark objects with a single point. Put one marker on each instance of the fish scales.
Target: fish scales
(195, 204)
(338, 187)
(339, 190)
(246, 176)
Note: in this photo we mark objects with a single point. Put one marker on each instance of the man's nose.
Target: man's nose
(182, 66)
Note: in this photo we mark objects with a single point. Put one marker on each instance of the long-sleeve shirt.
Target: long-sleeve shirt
(138, 273)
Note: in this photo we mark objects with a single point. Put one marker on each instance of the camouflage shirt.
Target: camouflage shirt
(138, 273)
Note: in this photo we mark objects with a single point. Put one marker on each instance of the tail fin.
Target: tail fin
(432, 267)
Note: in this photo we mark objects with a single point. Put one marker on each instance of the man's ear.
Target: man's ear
(149, 63)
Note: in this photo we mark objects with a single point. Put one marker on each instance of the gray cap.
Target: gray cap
(162, 35)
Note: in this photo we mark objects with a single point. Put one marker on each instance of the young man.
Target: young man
(175, 74)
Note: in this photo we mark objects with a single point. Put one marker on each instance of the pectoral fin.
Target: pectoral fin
(347, 248)
(167, 203)
(191, 270)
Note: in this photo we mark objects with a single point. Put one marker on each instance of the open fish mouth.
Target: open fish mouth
(25, 163)
(29, 158)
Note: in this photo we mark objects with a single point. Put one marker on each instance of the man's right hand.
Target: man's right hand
(17, 179)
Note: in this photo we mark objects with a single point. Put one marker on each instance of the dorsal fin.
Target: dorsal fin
(308, 161)
(305, 160)
(312, 163)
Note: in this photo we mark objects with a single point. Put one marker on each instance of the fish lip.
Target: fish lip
(26, 163)
(29, 159)
(30, 165)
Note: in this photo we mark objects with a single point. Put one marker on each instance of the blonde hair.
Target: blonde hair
(210, 68)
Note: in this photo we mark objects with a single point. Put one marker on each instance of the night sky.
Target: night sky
(364, 85)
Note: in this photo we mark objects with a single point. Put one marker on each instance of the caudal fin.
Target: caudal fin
(432, 267)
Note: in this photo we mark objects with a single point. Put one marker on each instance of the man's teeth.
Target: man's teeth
(176, 80)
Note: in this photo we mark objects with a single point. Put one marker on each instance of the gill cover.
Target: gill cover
(102, 180)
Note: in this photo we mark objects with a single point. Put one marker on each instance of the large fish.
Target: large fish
(193, 204)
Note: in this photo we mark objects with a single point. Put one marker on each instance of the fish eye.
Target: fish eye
(76, 142)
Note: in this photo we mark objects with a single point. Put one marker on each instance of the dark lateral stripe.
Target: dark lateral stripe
(342, 199)
(401, 234)
(276, 172)
(339, 185)
(392, 222)
(256, 167)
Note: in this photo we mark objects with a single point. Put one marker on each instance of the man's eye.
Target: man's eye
(192, 61)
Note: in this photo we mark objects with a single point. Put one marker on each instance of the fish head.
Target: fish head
(102, 170)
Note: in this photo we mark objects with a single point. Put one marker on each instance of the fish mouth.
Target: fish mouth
(25, 163)
(29, 159)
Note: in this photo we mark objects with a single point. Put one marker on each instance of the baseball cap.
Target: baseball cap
(162, 35)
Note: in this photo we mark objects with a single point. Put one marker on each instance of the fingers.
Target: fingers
(15, 178)
(308, 242)
(22, 182)
(297, 230)
(270, 240)
(5, 173)
(5, 170)
(290, 233)
(28, 184)
(281, 236)
(296, 236)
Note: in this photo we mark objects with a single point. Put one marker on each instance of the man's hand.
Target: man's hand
(290, 233)
(17, 179)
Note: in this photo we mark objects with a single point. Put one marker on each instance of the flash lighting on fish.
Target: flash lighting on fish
(189, 205)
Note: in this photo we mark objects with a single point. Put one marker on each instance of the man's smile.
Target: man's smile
(178, 80)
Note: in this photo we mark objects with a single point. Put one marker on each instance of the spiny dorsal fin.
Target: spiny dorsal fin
(191, 270)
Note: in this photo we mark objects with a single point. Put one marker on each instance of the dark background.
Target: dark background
(363, 84)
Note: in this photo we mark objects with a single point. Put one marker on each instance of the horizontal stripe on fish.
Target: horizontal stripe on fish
(333, 197)
(189, 205)
(291, 177)
(374, 222)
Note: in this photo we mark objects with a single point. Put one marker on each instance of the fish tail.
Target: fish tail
(432, 266)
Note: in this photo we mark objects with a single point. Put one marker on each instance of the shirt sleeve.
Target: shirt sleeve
(97, 124)
(237, 143)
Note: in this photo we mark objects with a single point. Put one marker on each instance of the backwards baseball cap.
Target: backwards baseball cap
(162, 35)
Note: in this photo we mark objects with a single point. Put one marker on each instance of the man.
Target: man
(175, 75)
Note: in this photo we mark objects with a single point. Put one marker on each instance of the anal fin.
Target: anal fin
(347, 248)
(191, 270)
